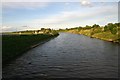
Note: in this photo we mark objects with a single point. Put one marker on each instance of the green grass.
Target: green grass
(109, 32)
(14, 45)
(108, 36)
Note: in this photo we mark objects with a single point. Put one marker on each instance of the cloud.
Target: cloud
(69, 16)
(58, 18)
(58, 0)
(86, 3)
(26, 5)
(67, 3)
(5, 28)
(26, 0)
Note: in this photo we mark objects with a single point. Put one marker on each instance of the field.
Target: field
(14, 45)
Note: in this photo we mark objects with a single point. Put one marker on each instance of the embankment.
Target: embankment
(15, 45)
(107, 36)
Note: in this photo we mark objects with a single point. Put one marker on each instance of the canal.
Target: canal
(67, 56)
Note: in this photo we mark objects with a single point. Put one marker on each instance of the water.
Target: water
(67, 56)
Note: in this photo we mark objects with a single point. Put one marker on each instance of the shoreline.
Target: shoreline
(109, 40)
(20, 53)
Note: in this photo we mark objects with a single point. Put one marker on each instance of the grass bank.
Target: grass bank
(109, 32)
(107, 36)
(15, 45)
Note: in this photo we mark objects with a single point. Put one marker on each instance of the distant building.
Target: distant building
(35, 32)
(19, 33)
(40, 32)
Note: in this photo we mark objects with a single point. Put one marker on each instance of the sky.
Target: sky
(18, 16)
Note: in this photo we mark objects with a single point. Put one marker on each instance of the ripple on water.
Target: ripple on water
(67, 55)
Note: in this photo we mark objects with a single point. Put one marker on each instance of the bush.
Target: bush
(114, 30)
(111, 27)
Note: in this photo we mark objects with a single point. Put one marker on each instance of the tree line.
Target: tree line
(110, 27)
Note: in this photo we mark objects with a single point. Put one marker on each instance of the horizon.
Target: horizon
(54, 29)
(19, 16)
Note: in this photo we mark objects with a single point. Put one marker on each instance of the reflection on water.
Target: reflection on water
(68, 55)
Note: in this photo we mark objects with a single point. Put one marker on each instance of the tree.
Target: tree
(114, 30)
(79, 28)
(88, 27)
(42, 29)
(49, 29)
(95, 26)
(106, 28)
(111, 27)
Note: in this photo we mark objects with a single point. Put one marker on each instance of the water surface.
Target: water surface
(66, 56)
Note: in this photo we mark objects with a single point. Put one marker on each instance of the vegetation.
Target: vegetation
(109, 32)
(31, 32)
(14, 44)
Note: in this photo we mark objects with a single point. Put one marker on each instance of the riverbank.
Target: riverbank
(15, 45)
(68, 55)
(110, 32)
(107, 36)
